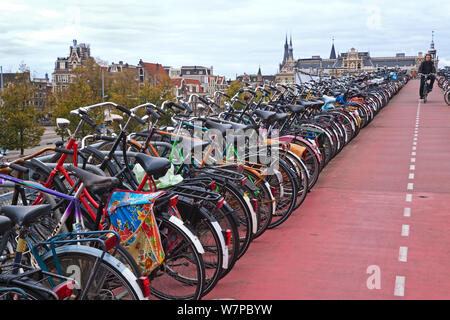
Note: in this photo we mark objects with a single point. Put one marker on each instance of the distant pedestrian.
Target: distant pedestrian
(426, 68)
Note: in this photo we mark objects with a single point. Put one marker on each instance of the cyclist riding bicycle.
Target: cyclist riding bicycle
(426, 68)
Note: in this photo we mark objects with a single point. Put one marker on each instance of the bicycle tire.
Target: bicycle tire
(202, 224)
(172, 227)
(75, 261)
(284, 208)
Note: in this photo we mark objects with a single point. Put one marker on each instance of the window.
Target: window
(188, 72)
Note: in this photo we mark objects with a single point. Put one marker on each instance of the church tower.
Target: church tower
(291, 49)
(286, 52)
(432, 51)
(333, 51)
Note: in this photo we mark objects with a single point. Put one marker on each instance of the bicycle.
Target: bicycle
(171, 225)
(425, 78)
(99, 275)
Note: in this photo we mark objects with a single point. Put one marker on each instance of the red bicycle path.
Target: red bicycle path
(351, 226)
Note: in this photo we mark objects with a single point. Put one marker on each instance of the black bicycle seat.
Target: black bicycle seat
(97, 184)
(243, 127)
(266, 116)
(25, 215)
(279, 117)
(153, 166)
(222, 127)
(295, 108)
(191, 145)
(5, 224)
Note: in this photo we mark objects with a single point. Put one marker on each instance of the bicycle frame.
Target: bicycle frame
(74, 201)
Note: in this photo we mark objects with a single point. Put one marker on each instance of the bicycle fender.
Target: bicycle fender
(126, 272)
(195, 240)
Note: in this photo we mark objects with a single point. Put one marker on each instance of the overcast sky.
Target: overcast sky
(233, 36)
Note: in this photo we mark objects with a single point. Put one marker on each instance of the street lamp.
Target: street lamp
(1, 84)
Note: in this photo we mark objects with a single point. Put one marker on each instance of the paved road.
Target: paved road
(48, 139)
(377, 218)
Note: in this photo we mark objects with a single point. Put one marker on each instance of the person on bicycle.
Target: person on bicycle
(426, 68)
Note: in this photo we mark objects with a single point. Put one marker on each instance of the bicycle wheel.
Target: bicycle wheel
(246, 219)
(228, 222)
(301, 177)
(447, 97)
(112, 280)
(266, 203)
(285, 194)
(311, 161)
(202, 224)
(181, 276)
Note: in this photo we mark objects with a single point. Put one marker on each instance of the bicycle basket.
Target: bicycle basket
(131, 215)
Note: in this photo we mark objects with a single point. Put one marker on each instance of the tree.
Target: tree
(122, 88)
(19, 124)
(157, 94)
(234, 87)
(85, 89)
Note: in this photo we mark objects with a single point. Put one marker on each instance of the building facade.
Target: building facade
(286, 68)
(255, 80)
(152, 72)
(353, 62)
(195, 79)
(63, 74)
(42, 89)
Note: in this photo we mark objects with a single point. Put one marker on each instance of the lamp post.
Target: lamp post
(1, 84)
(103, 86)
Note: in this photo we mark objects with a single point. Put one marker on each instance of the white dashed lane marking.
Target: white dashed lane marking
(399, 286)
(407, 212)
(405, 230)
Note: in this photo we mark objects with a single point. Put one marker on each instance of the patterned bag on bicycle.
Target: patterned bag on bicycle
(132, 217)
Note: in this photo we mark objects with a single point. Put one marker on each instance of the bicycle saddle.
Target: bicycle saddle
(192, 144)
(222, 127)
(295, 108)
(310, 104)
(5, 224)
(266, 116)
(153, 166)
(243, 127)
(98, 184)
(25, 215)
(280, 117)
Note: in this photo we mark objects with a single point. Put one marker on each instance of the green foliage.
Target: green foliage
(81, 92)
(122, 88)
(233, 89)
(19, 124)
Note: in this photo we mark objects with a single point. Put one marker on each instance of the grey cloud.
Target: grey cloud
(233, 36)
